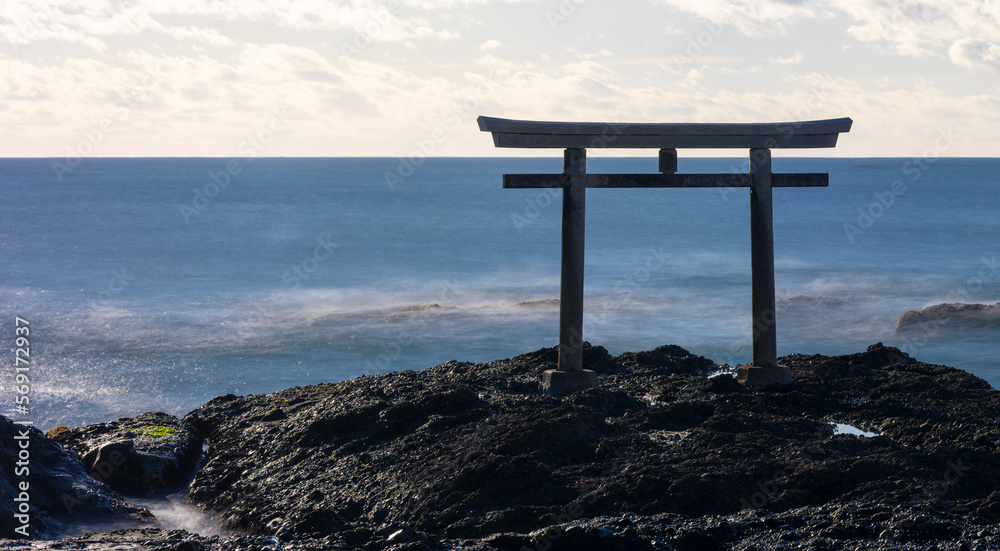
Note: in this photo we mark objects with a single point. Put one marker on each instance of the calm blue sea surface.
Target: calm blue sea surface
(157, 284)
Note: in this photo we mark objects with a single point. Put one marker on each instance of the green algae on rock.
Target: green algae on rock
(138, 456)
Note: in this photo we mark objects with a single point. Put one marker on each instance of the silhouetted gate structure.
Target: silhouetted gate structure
(575, 138)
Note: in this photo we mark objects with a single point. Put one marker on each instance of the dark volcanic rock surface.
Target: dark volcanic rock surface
(144, 455)
(474, 456)
(970, 321)
(846, 526)
(59, 492)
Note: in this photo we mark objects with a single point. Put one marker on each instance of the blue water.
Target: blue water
(143, 296)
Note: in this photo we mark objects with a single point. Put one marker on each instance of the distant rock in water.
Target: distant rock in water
(425, 307)
(58, 493)
(805, 301)
(417, 310)
(144, 455)
(951, 320)
(540, 304)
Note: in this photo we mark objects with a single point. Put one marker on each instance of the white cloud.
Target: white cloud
(603, 53)
(489, 46)
(90, 22)
(966, 32)
(23, 23)
(391, 21)
(200, 34)
(974, 54)
(733, 71)
(752, 17)
(197, 84)
(929, 27)
(793, 60)
(200, 105)
(671, 30)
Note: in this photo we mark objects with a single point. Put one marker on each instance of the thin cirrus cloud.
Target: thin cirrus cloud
(752, 17)
(967, 33)
(91, 22)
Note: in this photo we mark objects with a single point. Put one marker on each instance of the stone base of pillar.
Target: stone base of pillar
(558, 383)
(760, 377)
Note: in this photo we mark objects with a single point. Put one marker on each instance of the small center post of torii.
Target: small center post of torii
(575, 138)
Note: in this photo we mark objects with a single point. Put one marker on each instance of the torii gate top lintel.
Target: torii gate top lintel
(576, 137)
(775, 135)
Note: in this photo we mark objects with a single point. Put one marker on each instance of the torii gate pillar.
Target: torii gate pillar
(764, 371)
(571, 376)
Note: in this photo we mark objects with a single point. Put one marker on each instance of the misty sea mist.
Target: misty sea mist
(158, 284)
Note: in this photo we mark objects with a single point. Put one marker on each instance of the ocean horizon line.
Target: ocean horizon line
(551, 152)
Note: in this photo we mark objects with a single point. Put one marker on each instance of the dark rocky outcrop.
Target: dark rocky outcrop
(661, 456)
(473, 452)
(841, 526)
(59, 493)
(144, 455)
(969, 321)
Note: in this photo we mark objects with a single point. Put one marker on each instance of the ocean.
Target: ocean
(156, 284)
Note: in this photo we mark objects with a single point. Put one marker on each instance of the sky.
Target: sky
(242, 78)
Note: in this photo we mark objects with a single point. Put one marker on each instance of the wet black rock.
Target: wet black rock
(969, 321)
(145, 455)
(661, 456)
(43, 483)
(473, 451)
(846, 526)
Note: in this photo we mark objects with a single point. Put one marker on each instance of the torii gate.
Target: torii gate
(575, 138)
